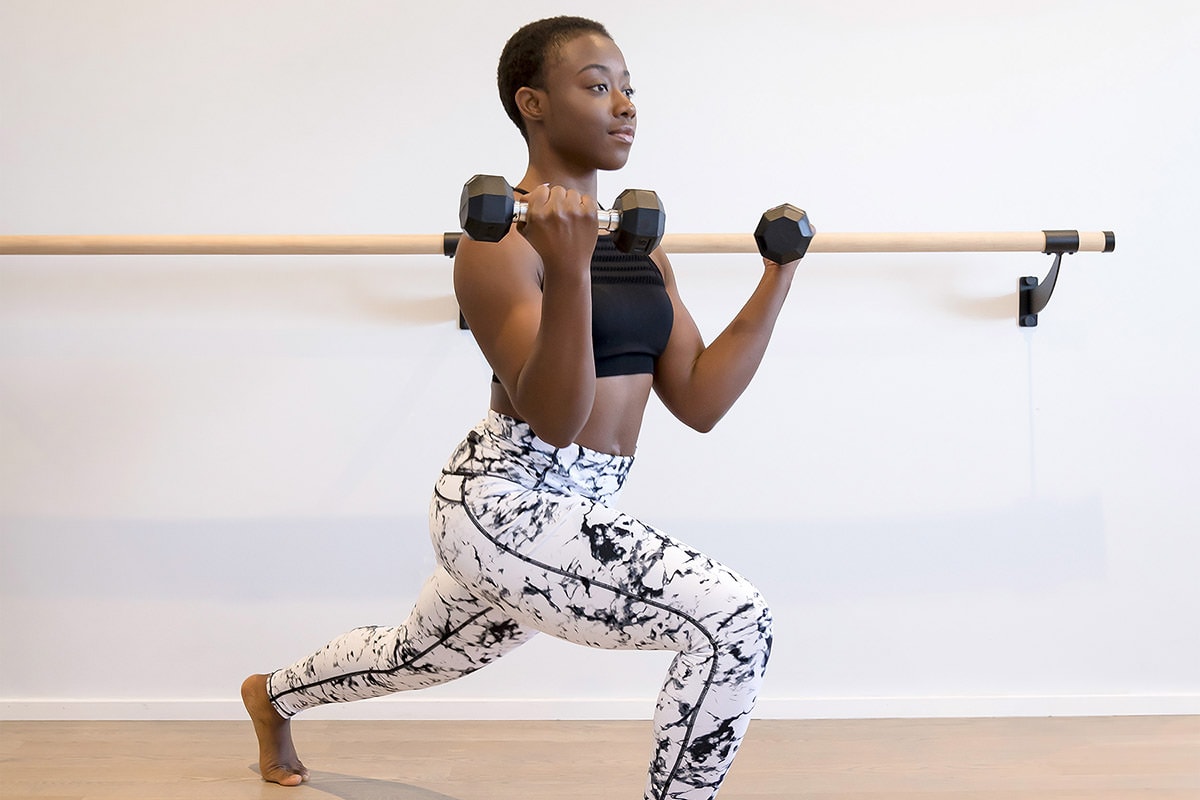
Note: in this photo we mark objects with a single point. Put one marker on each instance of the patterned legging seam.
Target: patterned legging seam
(402, 665)
(708, 681)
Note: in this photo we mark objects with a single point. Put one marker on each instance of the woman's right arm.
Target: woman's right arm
(527, 300)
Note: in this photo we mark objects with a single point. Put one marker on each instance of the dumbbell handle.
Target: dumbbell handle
(607, 219)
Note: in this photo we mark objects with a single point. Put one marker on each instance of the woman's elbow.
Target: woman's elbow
(555, 429)
(555, 439)
(697, 416)
(701, 420)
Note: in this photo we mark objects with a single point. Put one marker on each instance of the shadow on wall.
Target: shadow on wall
(973, 286)
(1035, 544)
(211, 290)
(345, 558)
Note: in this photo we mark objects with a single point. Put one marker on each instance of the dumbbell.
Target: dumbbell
(488, 209)
(783, 234)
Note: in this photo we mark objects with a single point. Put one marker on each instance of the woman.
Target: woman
(522, 519)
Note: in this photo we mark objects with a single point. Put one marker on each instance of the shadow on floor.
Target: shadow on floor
(352, 787)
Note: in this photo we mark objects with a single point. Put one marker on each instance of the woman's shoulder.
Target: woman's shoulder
(490, 277)
(512, 257)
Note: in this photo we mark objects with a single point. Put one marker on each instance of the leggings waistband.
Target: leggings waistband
(503, 447)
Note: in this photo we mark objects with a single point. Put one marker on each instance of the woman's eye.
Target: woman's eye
(602, 88)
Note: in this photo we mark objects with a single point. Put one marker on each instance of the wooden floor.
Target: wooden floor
(1112, 758)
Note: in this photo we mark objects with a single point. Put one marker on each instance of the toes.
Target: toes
(285, 777)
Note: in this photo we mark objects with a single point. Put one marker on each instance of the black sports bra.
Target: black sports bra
(631, 311)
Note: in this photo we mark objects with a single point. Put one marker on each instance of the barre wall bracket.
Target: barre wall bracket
(1032, 295)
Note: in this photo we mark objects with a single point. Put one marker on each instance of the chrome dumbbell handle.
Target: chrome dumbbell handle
(607, 219)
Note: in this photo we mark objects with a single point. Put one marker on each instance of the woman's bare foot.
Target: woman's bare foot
(277, 757)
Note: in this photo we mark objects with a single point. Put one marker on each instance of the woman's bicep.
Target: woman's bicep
(673, 370)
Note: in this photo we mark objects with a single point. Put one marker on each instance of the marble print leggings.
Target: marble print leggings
(526, 543)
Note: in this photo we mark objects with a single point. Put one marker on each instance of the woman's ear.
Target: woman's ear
(530, 103)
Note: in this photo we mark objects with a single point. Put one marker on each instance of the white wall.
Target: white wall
(211, 465)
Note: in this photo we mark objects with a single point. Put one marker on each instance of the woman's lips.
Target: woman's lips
(624, 134)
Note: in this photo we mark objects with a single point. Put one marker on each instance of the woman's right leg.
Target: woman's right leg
(587, 573)
(449, 633)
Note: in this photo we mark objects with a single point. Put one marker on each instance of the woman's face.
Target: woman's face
(589, 117)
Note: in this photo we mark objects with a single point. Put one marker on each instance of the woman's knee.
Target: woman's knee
(745, 627)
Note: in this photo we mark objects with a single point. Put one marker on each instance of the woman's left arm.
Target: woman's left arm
(698, 383)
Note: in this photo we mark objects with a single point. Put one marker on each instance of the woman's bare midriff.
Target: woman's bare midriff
(617, 412)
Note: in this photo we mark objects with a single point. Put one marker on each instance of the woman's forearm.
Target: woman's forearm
(557, 386)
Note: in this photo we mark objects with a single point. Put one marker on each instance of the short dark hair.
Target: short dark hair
(524, 57)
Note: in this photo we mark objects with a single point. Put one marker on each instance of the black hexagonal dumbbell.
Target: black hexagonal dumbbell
(487, 210)
(783, 234)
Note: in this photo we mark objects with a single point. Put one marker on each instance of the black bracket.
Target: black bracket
(450, 241)
(1033, 296)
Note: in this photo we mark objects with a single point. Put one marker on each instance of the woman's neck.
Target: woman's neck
(555, 173)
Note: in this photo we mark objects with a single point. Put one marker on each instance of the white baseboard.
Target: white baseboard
(409, 708)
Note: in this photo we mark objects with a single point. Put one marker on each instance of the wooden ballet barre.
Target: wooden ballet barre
(235, 245)
(445, 244)
(1001, 242)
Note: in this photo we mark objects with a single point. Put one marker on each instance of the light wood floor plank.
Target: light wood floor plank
(1116, 758)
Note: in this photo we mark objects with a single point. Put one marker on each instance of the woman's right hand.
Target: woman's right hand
(560, 224)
